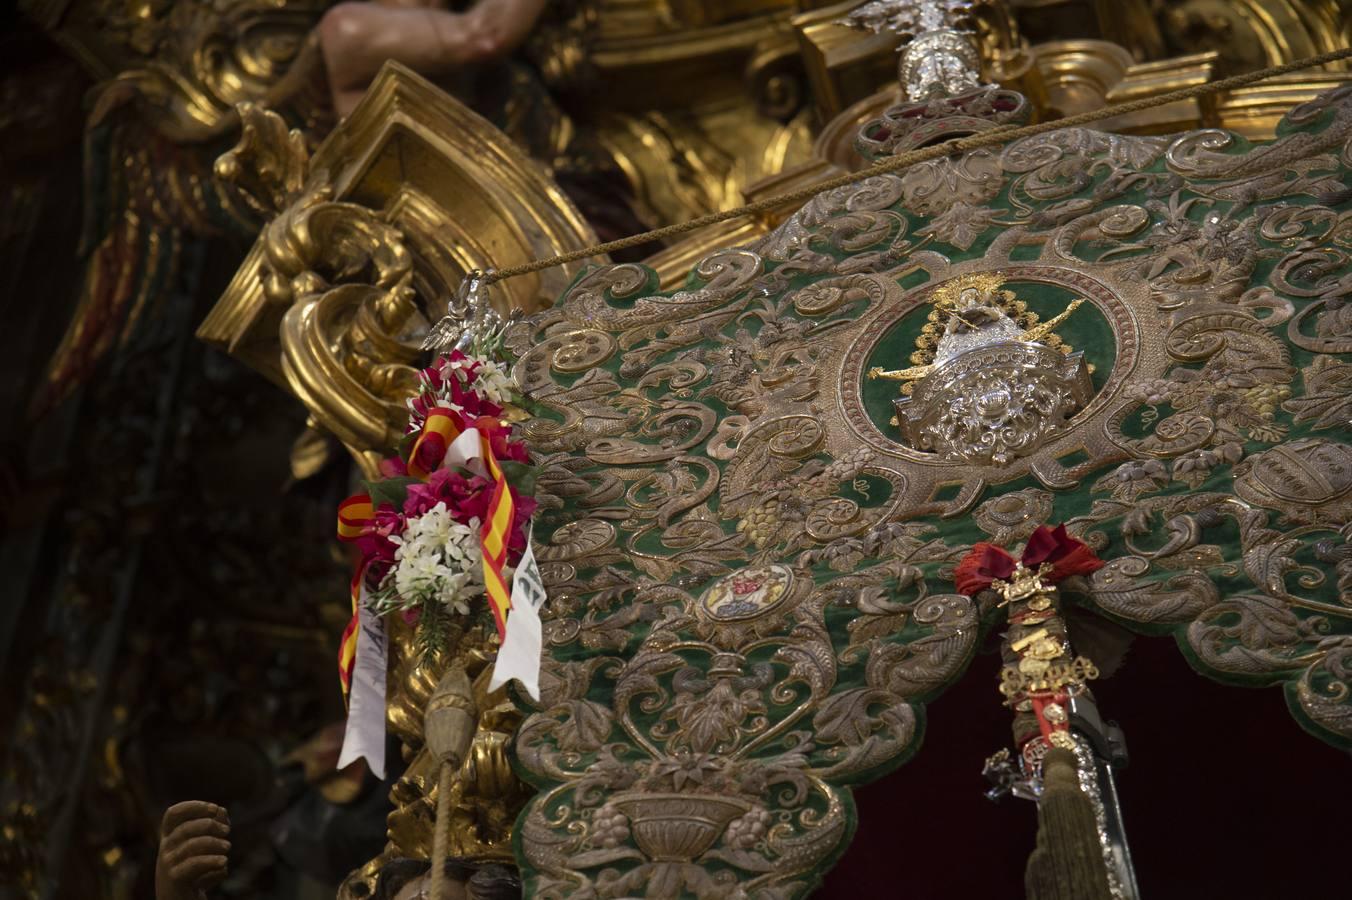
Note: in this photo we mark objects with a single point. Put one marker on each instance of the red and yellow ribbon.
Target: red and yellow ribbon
(441, 426)
(356, 518)
(494, 538)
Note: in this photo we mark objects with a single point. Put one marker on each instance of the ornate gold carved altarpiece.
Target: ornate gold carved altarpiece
(750, 569)
(750, 564)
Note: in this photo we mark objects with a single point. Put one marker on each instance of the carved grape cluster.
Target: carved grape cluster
(793, 500)
(610, 827)
(745, 832)
(1267, 397)
(761, 522)
(839, 470)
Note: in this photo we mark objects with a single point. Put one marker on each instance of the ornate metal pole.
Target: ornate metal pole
(939, 54)
(1066, 755)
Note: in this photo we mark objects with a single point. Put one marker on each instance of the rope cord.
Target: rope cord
(441, 831)
(1000, 135)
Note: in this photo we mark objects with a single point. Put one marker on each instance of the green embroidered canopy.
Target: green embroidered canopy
(755, 489)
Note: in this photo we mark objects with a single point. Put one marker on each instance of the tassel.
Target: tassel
(1068, 861)
(448, 728)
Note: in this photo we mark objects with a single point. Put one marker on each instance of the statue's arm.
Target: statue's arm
(357, 38)
(912, 374)
(495, 28)
(194, 846)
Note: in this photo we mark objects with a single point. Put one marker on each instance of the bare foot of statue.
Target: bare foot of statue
(194, 844)
(357, 38)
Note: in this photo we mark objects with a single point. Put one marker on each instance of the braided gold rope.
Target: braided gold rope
(1000, 135)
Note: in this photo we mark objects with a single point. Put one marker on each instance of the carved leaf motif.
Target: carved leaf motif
(585, 726)
(560, 680)
(846, 718)
(960, 225)
(1250, 635)
(914, 670)
(895, 730)
(715, 719)
(1325, 688)
(1327, 402)
(1267, 565)
(811, 660)
(1119, 589)
(640, 679)
(877, 617)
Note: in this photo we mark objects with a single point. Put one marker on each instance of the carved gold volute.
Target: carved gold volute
(367, 240)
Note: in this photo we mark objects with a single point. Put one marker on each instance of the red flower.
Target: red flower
(466, 496)
(459, 356)
(376, 548)
(393, 467)
(439, 379)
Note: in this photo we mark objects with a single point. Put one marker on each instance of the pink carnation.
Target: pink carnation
(465, 497)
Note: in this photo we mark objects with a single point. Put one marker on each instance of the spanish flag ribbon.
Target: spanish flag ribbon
(440, 428)
(347, 648)
(494, 538)
(356, 518)
(446, 436)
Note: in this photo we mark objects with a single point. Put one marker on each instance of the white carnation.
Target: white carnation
(492, 383)
(437, 558)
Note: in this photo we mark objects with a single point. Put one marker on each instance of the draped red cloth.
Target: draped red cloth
(986, 562)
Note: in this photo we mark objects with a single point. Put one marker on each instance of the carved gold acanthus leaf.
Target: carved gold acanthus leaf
(408, 194)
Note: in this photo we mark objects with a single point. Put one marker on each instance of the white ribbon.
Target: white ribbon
(467, 451)
(519, 657)
(365, 734)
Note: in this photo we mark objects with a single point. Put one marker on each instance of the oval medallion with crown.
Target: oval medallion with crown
(989, 371)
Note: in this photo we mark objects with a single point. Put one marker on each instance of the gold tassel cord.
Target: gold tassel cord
(1000, 135)
(1068, 861)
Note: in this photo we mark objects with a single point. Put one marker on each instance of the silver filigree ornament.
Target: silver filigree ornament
(471, 324)
(941, 63)
(939, 57)
(994, 392)
(907, 18)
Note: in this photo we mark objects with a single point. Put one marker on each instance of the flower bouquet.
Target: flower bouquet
(449, 513)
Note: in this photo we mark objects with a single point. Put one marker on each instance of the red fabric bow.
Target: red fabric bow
(987, 562)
